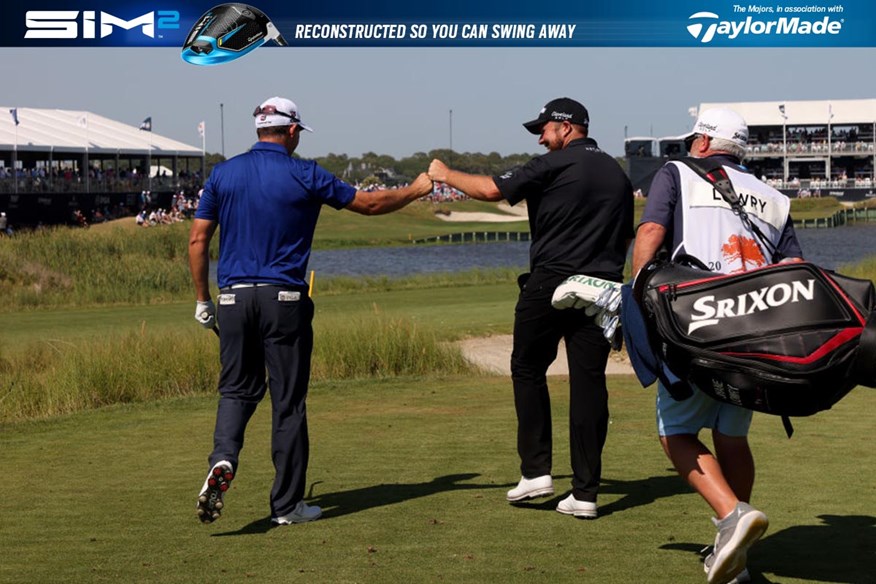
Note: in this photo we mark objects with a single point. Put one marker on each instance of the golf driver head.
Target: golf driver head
(227, 32)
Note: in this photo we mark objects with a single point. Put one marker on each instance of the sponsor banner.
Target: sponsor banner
(238, 27)
(848, 195)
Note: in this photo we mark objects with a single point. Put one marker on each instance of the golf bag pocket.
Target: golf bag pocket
(785, 339)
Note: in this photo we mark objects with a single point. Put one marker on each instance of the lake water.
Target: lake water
(828, 248)
(831, 248)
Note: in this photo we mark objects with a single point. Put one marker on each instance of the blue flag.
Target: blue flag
(14, 112)
(146, 124)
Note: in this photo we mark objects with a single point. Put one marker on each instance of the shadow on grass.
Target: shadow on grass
(356, 500)
(641, 492)
(635, 494)
(258, 526)
(841, 550)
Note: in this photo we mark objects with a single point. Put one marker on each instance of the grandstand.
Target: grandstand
(54, 162)
(802, 148)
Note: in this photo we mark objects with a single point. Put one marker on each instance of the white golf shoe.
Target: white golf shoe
(211, 499)
(580, 509)
(302, 513)
(530, 488)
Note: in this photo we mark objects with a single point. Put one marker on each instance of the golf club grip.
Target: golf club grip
(215, 329)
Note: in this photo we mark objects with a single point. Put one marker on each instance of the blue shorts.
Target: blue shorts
(697, 412)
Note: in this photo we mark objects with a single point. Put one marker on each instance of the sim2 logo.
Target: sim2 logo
(705, 26)
(75, 24)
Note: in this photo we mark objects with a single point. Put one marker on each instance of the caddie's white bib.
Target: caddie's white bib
(713, 234)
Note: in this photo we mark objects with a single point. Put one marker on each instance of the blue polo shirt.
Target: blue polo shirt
(267, 204)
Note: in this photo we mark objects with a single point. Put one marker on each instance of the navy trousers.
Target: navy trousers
(266, 327)
(538, 328)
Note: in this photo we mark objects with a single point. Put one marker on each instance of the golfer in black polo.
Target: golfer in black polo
(580, 206)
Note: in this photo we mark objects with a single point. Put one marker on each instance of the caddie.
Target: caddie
(685, 214)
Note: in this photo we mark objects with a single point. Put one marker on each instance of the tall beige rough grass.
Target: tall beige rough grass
(54, 378)
(378, 346)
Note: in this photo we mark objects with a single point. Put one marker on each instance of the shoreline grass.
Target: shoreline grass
(120, 264)
(115, 266)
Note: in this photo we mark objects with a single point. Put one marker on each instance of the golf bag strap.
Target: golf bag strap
(713, 172)
(865, 367)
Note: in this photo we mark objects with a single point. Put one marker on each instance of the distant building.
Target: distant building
(53, 162)
(802, 148)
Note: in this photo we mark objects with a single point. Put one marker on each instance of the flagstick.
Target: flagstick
(15, 158)
(87, 159)
(149, 164)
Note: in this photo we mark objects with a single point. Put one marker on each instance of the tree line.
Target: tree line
(372, 168)
(384, 169)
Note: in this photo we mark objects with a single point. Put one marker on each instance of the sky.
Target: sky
(398, 101)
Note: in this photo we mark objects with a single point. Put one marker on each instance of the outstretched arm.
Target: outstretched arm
(389, 200)
(476, 186)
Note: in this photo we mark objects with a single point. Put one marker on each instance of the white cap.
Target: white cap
(722, 123)
(278, 111)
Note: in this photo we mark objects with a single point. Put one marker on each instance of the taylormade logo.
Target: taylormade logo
(710, 311)
(705, 25)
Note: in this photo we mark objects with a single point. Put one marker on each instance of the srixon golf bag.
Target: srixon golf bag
(788, 339)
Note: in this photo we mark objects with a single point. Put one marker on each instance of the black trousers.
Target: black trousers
(538, 328)
(266, 327)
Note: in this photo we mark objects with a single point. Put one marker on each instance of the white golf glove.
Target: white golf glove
(582, 292)
(205, 313)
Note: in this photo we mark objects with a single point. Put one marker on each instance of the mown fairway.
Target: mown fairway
(411, 474)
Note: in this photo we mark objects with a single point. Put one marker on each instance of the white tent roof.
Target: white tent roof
(803, 113)
(72, 131)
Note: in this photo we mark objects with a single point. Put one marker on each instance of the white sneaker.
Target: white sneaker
(742, 577)
(302, 513)
(581, 509)
(736, 533)
(211, 499)
(530, 488)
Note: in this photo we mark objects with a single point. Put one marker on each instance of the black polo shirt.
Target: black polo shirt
(580, 205)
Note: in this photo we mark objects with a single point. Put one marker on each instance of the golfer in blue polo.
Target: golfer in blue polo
(266, 204)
